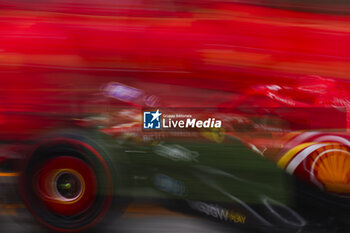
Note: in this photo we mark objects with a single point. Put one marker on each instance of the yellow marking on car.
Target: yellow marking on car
(216, 135)
(237, 217)
(284, 160)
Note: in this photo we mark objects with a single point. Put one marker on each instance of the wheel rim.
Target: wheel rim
(67, 185)
(54, 214)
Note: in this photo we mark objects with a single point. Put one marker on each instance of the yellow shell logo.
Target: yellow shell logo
(326, 164)
(330, 165)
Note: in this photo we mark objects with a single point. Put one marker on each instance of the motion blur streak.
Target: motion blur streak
(237, 111)
(173, 36)
(9, 174)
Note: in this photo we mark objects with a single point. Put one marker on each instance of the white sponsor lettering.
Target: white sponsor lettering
(191, 123)
(218, 212)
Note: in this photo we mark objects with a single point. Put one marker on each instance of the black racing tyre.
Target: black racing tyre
(69, 180)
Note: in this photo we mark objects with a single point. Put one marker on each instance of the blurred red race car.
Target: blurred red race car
(75, 78)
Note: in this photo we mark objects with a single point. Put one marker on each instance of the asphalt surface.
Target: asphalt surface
(138, 218)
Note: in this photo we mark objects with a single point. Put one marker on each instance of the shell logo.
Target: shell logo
(326, 165)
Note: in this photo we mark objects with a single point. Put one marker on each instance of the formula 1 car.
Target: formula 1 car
(72, 176)
(73, 139)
